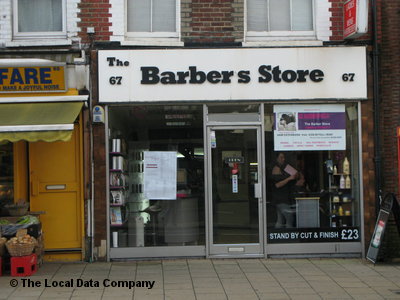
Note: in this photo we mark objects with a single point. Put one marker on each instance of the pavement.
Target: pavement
(186, 279)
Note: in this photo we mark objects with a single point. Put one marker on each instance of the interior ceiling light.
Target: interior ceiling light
(178, 116)
(178, 123)
(199, 151)
(240, 131)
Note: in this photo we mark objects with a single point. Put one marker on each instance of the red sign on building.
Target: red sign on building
(355, 21)
(350, 18)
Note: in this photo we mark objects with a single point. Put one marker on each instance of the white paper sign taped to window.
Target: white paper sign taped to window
(160, 173)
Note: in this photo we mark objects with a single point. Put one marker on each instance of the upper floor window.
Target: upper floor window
(39, 18)
(152, 18)
(280, 17)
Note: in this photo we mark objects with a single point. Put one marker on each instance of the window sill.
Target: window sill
(281, 43)
(38, 42)
(153, 42)
(281, 39)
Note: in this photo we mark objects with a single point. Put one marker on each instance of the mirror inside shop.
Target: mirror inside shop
(170, 137)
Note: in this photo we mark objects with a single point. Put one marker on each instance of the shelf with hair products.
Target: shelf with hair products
(117, 183)
(341, 201)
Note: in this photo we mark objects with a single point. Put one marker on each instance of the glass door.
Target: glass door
(235, 191)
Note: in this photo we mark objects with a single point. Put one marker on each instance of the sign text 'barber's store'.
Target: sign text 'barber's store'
(266, 73)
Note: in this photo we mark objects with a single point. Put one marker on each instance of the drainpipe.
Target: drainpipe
(375, 61)
(91, 259)
(90, 221)
(83, 84)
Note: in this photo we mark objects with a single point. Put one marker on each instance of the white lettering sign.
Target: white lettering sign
(232, 74)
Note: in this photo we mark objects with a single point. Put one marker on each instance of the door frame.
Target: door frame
(257, 250)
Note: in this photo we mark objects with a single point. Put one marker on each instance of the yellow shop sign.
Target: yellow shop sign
(32, 79)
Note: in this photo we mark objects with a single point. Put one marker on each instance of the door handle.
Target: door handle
(56, 187)
(257, 190)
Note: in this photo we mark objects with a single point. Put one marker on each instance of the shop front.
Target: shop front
(233, 152)
(41, 151)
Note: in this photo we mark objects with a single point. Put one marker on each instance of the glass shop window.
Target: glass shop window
(313, 182)
(6, 176)
(156, 176)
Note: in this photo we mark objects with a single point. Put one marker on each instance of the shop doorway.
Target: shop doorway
(55, 188)
(235, 191)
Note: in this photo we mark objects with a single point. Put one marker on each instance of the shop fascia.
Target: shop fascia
(232, 74)
(43, 76)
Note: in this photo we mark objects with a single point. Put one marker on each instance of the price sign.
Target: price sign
(350, 234)
(314, 235)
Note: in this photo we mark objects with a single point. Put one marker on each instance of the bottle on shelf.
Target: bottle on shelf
(346, 166)
(348, 182)
(340, 211)
(342, 183)
(334, 170)
(336, 199)
(116, 145)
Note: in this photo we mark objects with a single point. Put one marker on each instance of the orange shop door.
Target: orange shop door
(56, 188)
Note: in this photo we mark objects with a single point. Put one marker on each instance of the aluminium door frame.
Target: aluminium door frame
(260, 123)
(209, 204)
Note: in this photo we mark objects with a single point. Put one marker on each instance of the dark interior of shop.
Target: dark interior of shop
(165, 128)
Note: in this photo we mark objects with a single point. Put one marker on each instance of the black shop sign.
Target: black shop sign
(313, 235)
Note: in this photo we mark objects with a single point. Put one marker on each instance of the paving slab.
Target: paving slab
(208, 279)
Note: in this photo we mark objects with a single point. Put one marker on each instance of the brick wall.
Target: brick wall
(100, 168)
(368, 171)
(95, 13)
(99, 197)
(390, 107)
(390, 91)
(336, 19)
(212, 21)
